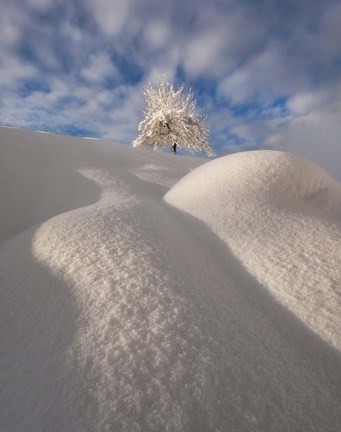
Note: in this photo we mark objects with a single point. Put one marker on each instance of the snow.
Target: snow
(216, 308)
(280, 216)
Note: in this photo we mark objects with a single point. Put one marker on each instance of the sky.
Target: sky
(267, 73)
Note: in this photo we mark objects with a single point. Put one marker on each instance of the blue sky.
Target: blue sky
(267, 72)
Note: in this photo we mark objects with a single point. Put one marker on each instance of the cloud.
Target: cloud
(111, 15)
(8, 31)
(330, 32)
(73, 33)
(157, 35)
(13, 70)
(217, 44)
(41, 4)
(294, 61)
(313, 128)
(272, 73)
(99, 68)
(305, 103)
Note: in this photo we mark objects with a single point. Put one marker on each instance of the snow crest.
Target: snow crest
(280, 215)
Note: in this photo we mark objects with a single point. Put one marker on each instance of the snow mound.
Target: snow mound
(121, 313)
(280, 215)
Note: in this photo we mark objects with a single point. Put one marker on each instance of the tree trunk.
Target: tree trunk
(174, 148)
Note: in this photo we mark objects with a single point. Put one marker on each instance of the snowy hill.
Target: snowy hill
(280, 216)
(216, 308)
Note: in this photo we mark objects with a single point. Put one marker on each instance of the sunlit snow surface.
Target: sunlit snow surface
(280, 215)
(216, 309)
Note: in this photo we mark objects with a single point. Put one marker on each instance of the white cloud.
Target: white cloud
(11, 22)
(41, 4)
(157, 35)
(111, 15)
(330, 31)
(268, 75)
(99, 68)
(221, 40)
(166, 68)
(305, 103)
(317, 137)
(313, 129)
(12, 70)
(72, 32)
(204, 53)
(9, 32)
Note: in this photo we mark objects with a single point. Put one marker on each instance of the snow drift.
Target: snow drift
(120, 312)
(281, 216)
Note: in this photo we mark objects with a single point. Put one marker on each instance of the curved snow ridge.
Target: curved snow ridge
(138, 339)
(281, 216)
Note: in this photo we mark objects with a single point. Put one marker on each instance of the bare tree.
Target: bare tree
(171, 119)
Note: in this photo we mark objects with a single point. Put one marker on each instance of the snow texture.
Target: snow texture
(280, 215)
(120, 312)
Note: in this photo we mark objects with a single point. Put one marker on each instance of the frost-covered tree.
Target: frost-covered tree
(171, 119)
